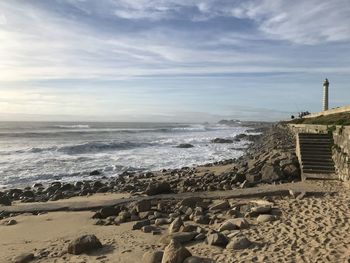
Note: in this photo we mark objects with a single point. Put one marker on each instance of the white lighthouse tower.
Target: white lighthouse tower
(325, 94)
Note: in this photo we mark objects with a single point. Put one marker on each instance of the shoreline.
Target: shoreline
(256, 127)
(101, 174)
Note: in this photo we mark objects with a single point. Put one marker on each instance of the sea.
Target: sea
(49, 151)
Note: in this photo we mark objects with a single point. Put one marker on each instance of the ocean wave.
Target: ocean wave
(88, 147)
(74, 126)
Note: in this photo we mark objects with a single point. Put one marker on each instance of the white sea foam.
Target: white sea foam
(55, 154)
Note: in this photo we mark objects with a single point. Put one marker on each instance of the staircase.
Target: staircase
(316, 155)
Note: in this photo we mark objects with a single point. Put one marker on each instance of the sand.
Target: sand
(313, 229)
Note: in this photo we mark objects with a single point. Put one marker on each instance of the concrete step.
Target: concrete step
(316, 135)
(318, 163)
(315, 159)
(306, 171)
(316, 153)
(315, 168)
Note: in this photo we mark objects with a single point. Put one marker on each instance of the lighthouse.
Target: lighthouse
(325, 94)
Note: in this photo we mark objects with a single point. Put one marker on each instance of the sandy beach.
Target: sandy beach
(309, 229)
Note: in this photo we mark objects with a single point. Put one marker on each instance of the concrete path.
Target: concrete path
(93, 202)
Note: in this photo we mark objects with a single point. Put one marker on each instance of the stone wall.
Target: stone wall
(340, 149)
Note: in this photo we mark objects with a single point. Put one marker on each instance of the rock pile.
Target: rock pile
(218, 223)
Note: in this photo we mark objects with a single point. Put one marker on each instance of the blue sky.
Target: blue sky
(171, 60)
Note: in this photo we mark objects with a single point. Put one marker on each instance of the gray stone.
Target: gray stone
(162, 221)
(158, 188)
(217, 239)
(239, 243)
(152, 257)
(185, 145)
(84, 244)
(175, 253)
(140, 224)
(235, 223)
(149, 229)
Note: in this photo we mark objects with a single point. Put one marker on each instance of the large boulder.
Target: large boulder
(84, 244)
(108, 211)
(217, 239)
(175, 253)
(158, 188)
(240, 242)
(152, 257)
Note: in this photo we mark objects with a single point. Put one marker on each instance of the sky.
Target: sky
(171, 60)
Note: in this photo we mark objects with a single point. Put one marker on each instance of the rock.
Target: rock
(95, 173)
(162, 221)
(182, 237)
(11, 222)
(220, 206)
(143, 206)
(220, 140)
(23, 258)
(175, 225)
(185, 145)
(260, 210)
(271, 173)
(217, 239)
(233, 224)
(108, 211)
(84, 244)
(175, 253)
(202, 219)
(265, 218)
(239, 243)
(191, 201)
(5, 200)
(28, 194)
(152, 257)
(188, 228)
(149, 229)
(291, 170)
(158, 188)
(140, 224)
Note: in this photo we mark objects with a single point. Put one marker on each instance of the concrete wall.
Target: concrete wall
(329, 112)
(340, 149)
